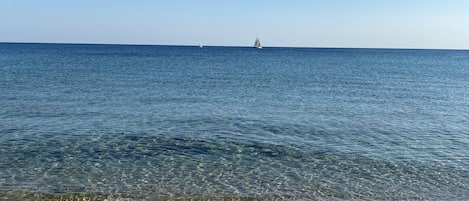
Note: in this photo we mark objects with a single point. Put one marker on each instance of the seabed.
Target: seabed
(28, 196)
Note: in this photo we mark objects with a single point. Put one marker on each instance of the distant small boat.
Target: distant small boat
(258, 44)
(200, 45)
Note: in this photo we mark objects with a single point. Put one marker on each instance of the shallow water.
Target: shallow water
(163, 122)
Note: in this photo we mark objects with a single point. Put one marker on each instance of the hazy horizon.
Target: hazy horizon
(228, 46)
(416, 24)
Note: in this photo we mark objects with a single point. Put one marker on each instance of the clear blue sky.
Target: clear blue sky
(307, 23)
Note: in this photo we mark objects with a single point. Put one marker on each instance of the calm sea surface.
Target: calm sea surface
(167, 122)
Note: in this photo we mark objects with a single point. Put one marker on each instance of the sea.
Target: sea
(143, 122)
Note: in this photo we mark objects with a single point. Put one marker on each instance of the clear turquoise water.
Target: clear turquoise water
(183, 122)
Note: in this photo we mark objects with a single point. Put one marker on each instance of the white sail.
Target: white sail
(257, 43)
(200, 45)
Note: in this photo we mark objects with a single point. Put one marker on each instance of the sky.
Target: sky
(434, 24)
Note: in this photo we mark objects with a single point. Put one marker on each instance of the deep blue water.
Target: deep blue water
(285, 123)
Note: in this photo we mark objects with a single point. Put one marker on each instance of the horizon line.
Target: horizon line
(234, 46)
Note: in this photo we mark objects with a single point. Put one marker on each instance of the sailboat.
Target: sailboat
(258, 44)
(200, 45)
